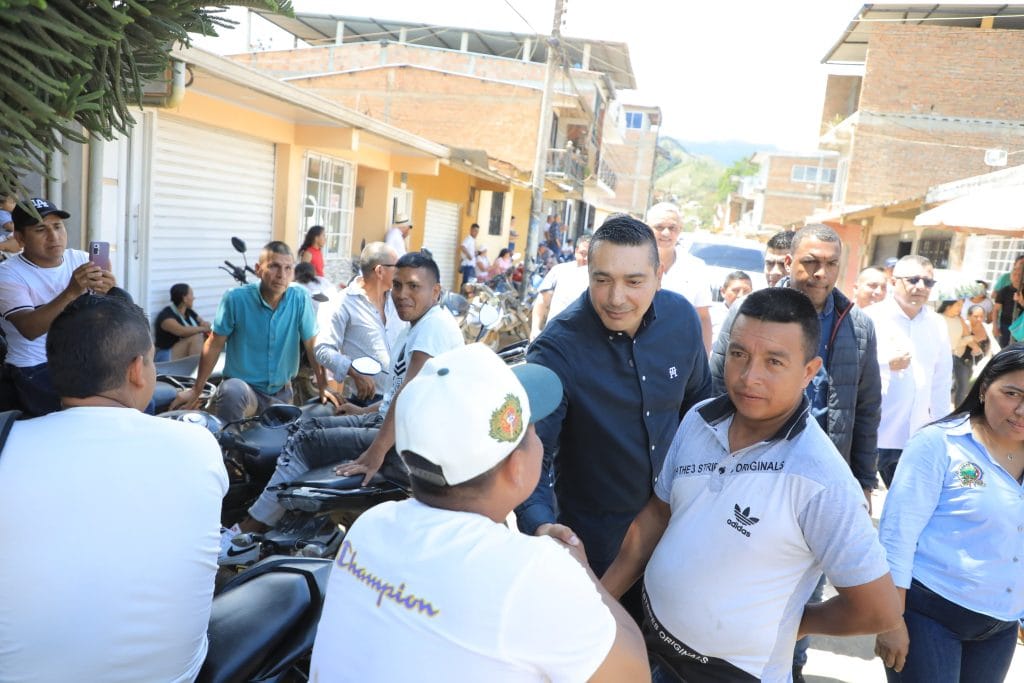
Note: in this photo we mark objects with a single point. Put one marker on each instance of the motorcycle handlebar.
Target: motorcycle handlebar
(229, 440)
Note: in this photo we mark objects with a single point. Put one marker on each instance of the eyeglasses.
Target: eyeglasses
(914, 279)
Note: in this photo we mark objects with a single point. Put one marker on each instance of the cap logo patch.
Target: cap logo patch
(507, 420)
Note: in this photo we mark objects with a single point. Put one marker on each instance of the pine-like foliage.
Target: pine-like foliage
(75, 68)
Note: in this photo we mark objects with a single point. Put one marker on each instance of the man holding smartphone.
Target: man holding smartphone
(35, 286)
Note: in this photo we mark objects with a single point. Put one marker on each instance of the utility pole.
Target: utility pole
(543, 135)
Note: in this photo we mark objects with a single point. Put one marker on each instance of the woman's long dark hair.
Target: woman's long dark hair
(1010, 359)
(310, 238)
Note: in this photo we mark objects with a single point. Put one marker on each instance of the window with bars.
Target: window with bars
(813, 174)
(329, 201)
(1002, 251)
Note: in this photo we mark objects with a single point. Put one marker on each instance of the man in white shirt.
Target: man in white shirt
(753, 502)
(396, 234)
(562, 285)
(35, 286)
(364, 323)
(682, 273)
(109, 517)
(914, 360)
(363, 439)
(438, 588)
(467, 250)
(870, 287)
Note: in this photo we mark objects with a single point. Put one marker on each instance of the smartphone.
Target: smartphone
(99, 254)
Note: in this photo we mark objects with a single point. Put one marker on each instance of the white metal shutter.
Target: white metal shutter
(440, 236)
(207, 186)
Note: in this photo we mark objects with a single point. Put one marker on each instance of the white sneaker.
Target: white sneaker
(237, 548)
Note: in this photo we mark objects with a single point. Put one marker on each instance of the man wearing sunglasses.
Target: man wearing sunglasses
(914, 360)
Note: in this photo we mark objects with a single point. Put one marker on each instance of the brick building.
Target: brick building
(481, 91)
(939, 100)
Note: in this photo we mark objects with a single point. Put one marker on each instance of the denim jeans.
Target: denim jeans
(319, 442)
(888, 458)
(951, 644)
(35, 390)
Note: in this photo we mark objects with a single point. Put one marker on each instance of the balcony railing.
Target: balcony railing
(563, 163)
(607, 176)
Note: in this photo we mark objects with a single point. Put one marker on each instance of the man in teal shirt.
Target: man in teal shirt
(261, 326)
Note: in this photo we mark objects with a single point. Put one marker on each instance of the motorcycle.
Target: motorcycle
(263, 622)
(512, 320)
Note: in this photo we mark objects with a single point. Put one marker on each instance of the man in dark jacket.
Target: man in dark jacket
(846, 395)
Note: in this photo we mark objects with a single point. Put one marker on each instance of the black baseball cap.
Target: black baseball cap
(24, 219)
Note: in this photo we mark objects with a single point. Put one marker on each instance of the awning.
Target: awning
(997, 210)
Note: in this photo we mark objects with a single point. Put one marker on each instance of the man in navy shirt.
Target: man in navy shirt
(632, 362)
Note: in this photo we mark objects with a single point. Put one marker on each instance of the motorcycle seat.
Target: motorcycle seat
(325, 478)
(248, 622)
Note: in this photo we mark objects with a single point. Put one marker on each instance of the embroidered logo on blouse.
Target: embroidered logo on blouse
(970, 475)
(507, 420)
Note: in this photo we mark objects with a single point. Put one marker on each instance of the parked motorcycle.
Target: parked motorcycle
(263, 622)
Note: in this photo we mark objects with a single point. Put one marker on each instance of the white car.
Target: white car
(723, 255)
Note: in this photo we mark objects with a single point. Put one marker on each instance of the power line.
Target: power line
(519, 14)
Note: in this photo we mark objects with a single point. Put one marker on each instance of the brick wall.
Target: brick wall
(453, 110)
(785, 211)
(841, 96)
(920, 84)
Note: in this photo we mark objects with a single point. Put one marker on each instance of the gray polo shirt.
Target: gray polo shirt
(750, 533)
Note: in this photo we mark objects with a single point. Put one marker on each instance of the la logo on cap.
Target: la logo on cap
(40, 203)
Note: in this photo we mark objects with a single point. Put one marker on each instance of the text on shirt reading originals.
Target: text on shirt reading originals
(709, 467)
(347, 561)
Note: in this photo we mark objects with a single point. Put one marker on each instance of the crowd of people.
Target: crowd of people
(659, 493)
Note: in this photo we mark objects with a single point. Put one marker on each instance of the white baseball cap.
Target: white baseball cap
(466, 411)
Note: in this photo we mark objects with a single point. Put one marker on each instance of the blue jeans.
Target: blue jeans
(888, 458)
(951, 644)
(800, 649)
(468, 273)
(35, 390)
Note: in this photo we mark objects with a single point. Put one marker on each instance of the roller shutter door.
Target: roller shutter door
(208, 185)
(440, 236)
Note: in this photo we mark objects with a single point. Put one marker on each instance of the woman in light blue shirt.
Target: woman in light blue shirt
(953, 530)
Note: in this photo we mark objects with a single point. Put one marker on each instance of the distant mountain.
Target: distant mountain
(723, 151)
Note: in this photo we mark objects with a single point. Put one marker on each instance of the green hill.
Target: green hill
(688, 180)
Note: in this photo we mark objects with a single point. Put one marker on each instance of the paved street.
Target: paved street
(852, 660)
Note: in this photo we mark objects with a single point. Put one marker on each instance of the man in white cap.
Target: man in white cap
(396, 234)
(438, 587)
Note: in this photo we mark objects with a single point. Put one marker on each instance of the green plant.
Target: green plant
(75, 68)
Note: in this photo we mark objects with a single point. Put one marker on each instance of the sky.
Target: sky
(745, 70)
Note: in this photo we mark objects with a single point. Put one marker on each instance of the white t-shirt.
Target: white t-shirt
(750, 533)
(423, 594)
(469, 244)
(110, 521)
(396, 240)
(568, 284)
(26, 286)
(433, 334)
(688, 276)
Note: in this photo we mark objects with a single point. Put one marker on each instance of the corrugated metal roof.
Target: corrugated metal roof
(851, 48)
(608, 57)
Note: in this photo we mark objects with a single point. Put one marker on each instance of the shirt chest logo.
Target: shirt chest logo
(970, 475)
(742, 519)
(672, 372)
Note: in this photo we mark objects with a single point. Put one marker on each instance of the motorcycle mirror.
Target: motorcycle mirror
(239, 244)
(320, 298)
(455, 303)
(280, 415)
(489, 315)
(365, 365)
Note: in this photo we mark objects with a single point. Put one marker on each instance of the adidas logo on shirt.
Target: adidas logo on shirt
(743, 519)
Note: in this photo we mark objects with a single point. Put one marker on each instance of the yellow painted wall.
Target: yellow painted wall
(371, 220)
